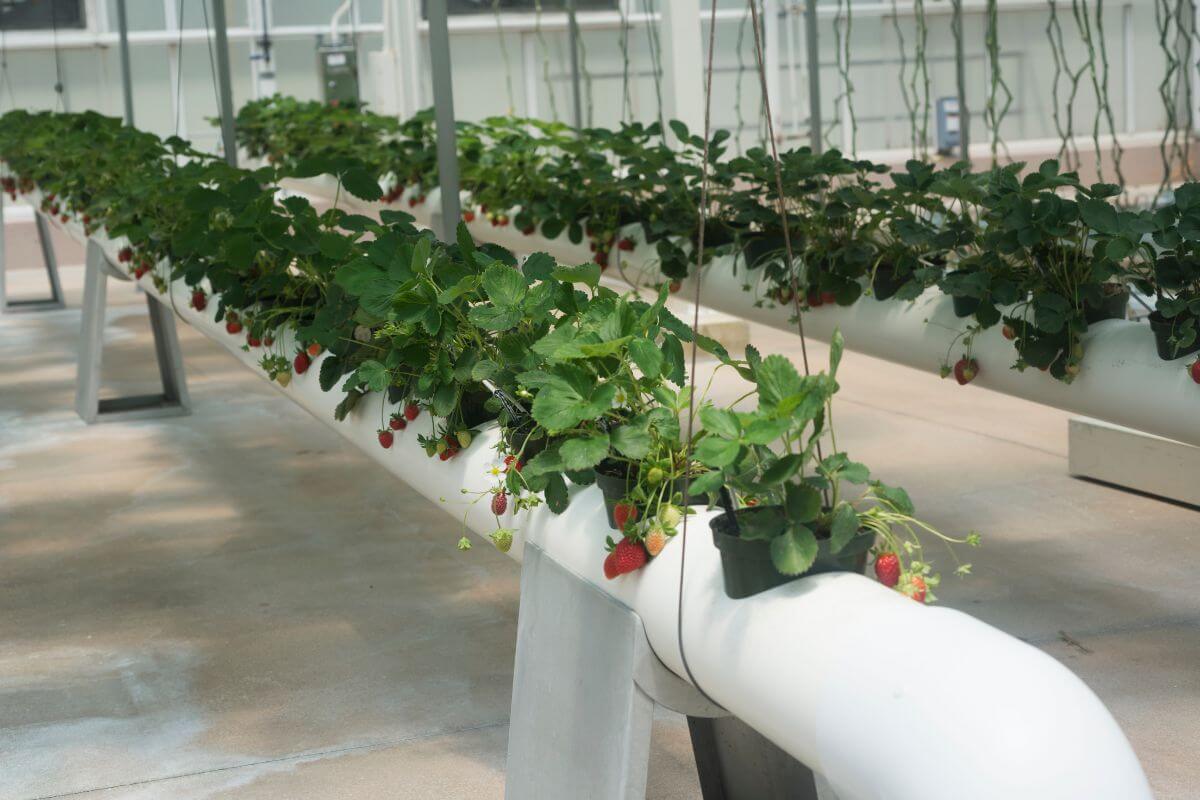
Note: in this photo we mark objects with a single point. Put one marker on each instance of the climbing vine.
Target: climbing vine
(508, 80)
(921, 72)
(841, 35)
(1117, 150)
(545, 48)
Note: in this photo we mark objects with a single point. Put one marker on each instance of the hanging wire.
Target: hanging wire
(691, 421)
(994, 112)
(1083, 23)
(60, 100)
(212, 59)
(1162, 20)
(508, 76)
(909, 102)
(921, 67)
(655, 60)
(179, 71)
(1117, 150)
(626, 97)
(546, 78)
(741, 71)
(587, 81)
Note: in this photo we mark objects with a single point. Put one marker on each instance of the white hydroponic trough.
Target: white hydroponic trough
(1123, 381)
(884, 697)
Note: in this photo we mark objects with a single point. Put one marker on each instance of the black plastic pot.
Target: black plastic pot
(1113, 306)
(1163, 328)
(886, 282)
(965, 306)
(747, 566)
(759, 247)
(517, 437)
(615, 482)
(472, 404)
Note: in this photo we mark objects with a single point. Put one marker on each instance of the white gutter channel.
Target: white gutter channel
(1123, 381)
(886, 698)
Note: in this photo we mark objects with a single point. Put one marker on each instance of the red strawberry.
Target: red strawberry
(502, 220)
(314, 350)
(499, 503)
(86, 219)
(233, 327)
(397, 423)
(829, 298)
(601, 259)
(610, 565)
(50, 197)
(268, 340)
(509, 459)
(412, 202)
(63, 218)
(411, 411)
(386, 438)
(54, 209)
(965, 370)
(1195, 370)
(140, 271)
(1008, 332)
(468, 216)
(674, 287)
(301, 363)
(520, 465)
(917, 589)
(199, 300)
(253, 340)
(624, 513)
(125, 254)
(529, 229)
(815, 298)
(625, 244)
(887, 569)
(630, 556)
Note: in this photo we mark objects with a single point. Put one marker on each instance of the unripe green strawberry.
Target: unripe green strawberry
(464, 438)
(503, 539)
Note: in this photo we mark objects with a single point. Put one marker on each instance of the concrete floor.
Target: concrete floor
(234, 605)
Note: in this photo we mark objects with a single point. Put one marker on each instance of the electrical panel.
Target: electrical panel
(337, 62)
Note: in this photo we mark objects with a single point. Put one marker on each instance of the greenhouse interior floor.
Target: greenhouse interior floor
(234, 604)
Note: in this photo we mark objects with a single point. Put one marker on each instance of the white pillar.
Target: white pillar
(683, 60)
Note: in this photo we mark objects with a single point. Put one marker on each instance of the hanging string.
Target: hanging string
(691, 421)
(655, 60)
(909, 102)
(1185, 15)
(1084, 25)
(212, 59)
(842, 39)
(508, 78)
(541, 37)
(921, 67)
(587, 82)
(1162, 20)
(993, 112)
(60, 100)
(626, 101)
(1117, 150)
(179, 71)
(741, 71)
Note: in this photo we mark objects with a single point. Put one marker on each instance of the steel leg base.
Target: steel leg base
(172, 401)
(584, 689)
(55, 300)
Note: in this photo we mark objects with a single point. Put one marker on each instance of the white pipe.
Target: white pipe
(334, 38)
(884, 697)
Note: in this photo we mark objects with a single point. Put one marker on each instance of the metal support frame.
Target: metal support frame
(443, 107)
(172, 401)
(55, 300)
(580, 724)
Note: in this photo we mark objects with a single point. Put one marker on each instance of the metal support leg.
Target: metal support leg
(55, 300)
(584, 690)
(172, 401)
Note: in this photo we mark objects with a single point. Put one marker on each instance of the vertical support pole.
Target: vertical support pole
(960, 76)
(576, 81)
(224, 83)
(3, 257)
(812, 51)
(178, 108)
(48, 258)
(443, 106)
(126, 70)
(682, 62)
